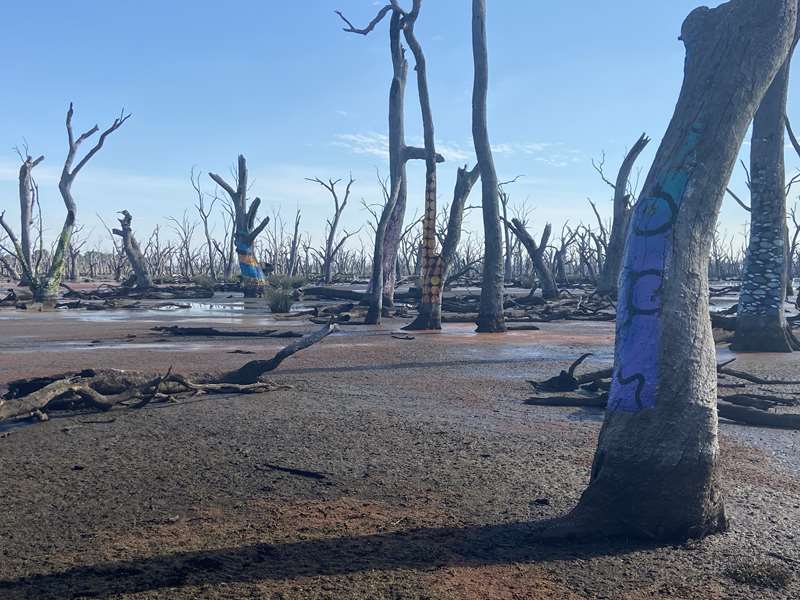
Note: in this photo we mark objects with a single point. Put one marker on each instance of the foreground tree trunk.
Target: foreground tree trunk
(655, 473)
(609, 275)
(761, 322)
(490, 313)
(245, 230)
(133, 252)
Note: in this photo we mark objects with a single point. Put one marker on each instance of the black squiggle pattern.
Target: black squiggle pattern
(660, 194)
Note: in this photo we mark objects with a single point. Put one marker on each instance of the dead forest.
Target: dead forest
(641, 343)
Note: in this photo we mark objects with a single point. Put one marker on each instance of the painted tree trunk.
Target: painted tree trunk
(245, 230)
(761, 323)
(429, 316)
(609, 275)
(490, 312)
(252, 276)
(655, 473)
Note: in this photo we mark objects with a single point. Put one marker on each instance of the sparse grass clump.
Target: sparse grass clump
(281, 292)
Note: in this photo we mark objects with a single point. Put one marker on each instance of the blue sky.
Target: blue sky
(282, 83)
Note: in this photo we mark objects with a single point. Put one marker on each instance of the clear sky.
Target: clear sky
(283, 84)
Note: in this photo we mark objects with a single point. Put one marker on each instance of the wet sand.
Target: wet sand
(390, 469)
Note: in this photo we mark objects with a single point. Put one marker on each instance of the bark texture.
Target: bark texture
(655, 472)
(490, 313)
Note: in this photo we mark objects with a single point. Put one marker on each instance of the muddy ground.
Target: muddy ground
(391, 469)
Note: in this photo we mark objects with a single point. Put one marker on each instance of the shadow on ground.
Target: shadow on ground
(411, 549)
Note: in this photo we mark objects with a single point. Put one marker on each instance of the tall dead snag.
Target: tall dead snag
(465, 181)
(429, 316)
(44, 285)
(655, 473)
(537, 254)
(28, 192)
(205, 214)
(761, 322)
(490, 313)
(291, 265)
(332, 247)
(399, 153)
(133, 252)
(609, 275)
(246, 230)
(375, 310)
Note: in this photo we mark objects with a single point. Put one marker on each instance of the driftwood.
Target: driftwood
(105, 389)
(213, 332)
(173, 292)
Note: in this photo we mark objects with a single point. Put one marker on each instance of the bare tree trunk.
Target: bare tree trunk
(27, 191)
(245, 230)
(133, 252)
(465, 181)
(375, 310)
(291, 268)
(490, 313)
(536, 253)
(609, 275)
(655, 473)
(761, 323)
(430, 307)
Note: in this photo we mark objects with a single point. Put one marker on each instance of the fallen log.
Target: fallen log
(213, 332)
(252, 371)
(105, 389)
(752, 416)
(334, 293)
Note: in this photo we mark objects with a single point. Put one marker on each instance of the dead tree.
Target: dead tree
(45, 285)
(490, 313)
(465, 181)
(655, 473)
(399, 153)
(332, 247)
(609, 274)
(761, 322)
(536, 252)
(559, 257)
(291, 267)
(245, 229)
(429, 316)
(375, 310)
(133, 253)
(74, 253)
(28, 193)
(205, 214)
